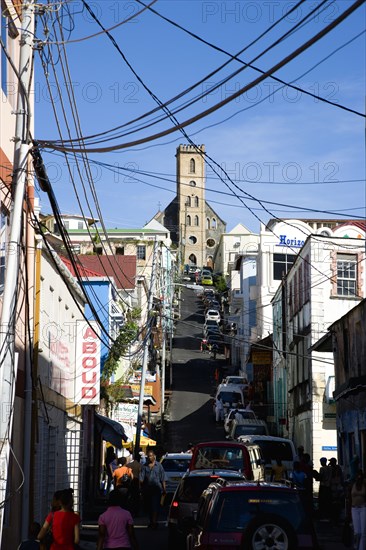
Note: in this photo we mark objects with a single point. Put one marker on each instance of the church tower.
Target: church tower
(191, 204)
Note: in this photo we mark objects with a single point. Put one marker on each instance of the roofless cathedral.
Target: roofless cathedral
(193, 224)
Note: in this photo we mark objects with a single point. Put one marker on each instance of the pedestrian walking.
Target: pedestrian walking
(324, 488)
(123, 474)
(358, 510)
(279, 471)
(298, 476)
(115, 526)
(64, 523)
(214, 350)
(219, 410)
(203, 344)
(336, 490)
(153, 486)
(111, 466)
(135, 487)
(32, 543)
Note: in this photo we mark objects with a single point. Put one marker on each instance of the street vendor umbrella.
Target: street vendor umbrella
(144, 441)
(110, 430)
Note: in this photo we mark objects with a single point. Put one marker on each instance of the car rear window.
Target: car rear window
(175, 464)
(234, 510)
(191, 488)
(244, 414)
(230, 397)
(229, 458)
(249, 429)
(273, 450)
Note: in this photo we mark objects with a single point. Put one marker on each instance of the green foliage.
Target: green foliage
(220, 284)
(126, 336)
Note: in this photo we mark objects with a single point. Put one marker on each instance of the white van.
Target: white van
(273, 448)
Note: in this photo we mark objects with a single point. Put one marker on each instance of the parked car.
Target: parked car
(230, 417)
(228, 455)
(251, 516)
(213, 315)
(175, 465)
(210, 323)
(247, 427)
(273, 448)
(206, 280)
(238, 381)
(232, 397)
(185, 501)
(212, 331)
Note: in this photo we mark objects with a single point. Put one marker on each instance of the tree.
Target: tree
(127, 335)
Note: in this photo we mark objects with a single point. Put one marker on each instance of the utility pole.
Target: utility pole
(146, 353)
(8, 359)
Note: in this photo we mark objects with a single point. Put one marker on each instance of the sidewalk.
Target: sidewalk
(329, 535)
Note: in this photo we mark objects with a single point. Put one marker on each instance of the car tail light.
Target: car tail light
(173, 512)
(214, 477)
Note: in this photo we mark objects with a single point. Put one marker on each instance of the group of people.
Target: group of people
(132, 480)
(146, 479)
(139, 479)
(334, 492)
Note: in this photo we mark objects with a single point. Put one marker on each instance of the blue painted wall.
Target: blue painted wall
(99, 294)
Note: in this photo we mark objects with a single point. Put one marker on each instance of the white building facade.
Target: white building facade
(58, 460)
(326, 281)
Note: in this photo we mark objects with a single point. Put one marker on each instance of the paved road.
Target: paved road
(190, 409)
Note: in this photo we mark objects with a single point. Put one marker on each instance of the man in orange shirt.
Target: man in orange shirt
(123, 474)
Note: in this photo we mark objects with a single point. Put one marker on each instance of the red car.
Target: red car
(251, 516)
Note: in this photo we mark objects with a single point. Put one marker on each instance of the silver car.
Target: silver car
(175, 465)
(230, 417)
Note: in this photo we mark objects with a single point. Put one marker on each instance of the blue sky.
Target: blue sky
(286, 148)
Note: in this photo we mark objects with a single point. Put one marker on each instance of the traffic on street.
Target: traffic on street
(222, 484)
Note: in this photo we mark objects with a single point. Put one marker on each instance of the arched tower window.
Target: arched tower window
(188, 220)
(192, 166)
(214, 223)
(196, 220)
(208, 223)
(196, 201)
(188, 201)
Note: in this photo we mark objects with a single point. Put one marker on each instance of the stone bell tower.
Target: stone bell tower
(191, 204)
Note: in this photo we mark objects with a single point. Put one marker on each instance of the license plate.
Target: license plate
(175, 478)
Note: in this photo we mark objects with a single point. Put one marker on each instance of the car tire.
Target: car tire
(269, 533)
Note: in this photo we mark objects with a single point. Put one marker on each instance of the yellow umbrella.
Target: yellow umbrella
(144, 442)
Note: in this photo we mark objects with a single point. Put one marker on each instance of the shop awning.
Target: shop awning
(144, 441)
(110, 430)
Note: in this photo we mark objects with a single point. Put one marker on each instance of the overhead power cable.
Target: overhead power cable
(123, 22)
(205, 155)
(85, 161)
(113, 168)
(201, 81)
(223, 102)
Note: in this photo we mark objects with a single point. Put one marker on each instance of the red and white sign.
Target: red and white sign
(87, 382)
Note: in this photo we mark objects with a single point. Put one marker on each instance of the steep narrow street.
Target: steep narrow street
(190, 415)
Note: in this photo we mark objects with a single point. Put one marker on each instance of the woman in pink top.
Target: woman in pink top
(116, 526)
(64, 524)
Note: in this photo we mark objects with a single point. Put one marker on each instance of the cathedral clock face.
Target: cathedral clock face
(192, 183)
(211, 242)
